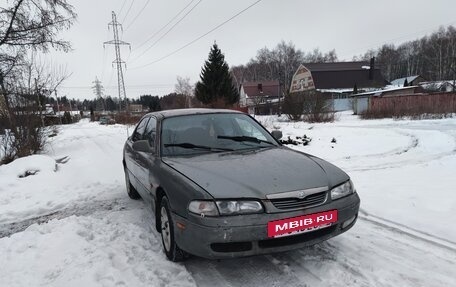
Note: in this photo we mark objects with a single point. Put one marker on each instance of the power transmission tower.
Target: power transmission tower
(98, 90)
(118, 61)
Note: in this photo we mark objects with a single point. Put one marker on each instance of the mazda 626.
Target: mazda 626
(220, 185)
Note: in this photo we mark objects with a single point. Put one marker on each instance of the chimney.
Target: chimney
(372, 69)
(260, 88)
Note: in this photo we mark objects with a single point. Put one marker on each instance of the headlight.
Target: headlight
(342, 190)
(224, 207)
(203, 208)
(231, 207)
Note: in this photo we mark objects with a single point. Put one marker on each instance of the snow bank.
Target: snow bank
(29, 164)
(92, 169)
(106, 249)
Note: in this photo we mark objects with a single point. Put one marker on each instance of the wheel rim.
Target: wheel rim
(165, 229)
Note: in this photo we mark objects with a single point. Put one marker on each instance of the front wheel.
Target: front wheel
(172, 251)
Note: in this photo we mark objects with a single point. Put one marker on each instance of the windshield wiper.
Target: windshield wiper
(245, 139)
(194, 146)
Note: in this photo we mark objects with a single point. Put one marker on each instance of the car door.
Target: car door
(132, 156)
(147, 161)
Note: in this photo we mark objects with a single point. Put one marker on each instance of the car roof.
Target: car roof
(185, 112)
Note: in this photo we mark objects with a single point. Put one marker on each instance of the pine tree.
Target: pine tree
(215, 87)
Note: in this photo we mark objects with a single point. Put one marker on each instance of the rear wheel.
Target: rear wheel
(172, 251)
(132, 193)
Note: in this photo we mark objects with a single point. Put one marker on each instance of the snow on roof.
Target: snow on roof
(346, 90)
(401, 81)
(389, 88)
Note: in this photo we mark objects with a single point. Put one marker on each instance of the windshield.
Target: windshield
(203, 133)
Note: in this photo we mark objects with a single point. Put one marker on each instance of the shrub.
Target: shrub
(128, 119)
(310, 106)
(24, 136)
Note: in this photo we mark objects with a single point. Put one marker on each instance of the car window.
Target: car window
(202, 133)
(248, 129)
(139, 131)
(150, 131)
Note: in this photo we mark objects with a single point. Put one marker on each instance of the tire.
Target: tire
(132, 193)
(172, 251)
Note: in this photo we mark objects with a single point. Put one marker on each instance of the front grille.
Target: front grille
(231, 246)
(291, 203)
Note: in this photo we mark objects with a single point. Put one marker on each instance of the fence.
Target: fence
(411, 105)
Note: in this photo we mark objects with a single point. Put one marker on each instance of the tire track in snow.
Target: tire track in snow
(250, 271)
(81, 209)
(413, 143)
(407, 162)
(406, 130)
(368, 255)
(405, 230)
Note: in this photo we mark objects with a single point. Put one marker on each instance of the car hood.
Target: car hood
(256, 173)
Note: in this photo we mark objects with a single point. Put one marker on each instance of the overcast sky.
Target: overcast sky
(349, 26)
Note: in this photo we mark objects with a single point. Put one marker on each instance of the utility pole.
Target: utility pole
(118, 61)
(453, 69)
(71, 108)
(58, 107)
(39, 102)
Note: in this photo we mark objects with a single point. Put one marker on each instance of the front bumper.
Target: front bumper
(246, 235)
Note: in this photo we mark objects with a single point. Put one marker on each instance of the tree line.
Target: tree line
(433, 57)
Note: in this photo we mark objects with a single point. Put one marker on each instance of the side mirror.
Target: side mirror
(142, 146)
(277, 134)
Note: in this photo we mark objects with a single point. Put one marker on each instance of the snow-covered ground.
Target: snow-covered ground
(72, 224)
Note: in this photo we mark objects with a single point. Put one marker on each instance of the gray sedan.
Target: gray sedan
(220, 186)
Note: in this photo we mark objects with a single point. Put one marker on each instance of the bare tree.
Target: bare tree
(35, 24)
(184, 87)
(28, 27)
(24, 133)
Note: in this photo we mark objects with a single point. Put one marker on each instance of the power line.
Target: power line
(104, 59)
(137, 15)
(128, 11)
(121, 8)
(168, 31)
(166, 25)
(195, 40)
(103, 65)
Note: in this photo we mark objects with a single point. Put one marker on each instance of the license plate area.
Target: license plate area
(301, 224)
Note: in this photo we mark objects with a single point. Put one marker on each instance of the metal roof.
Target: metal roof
(344, 75)
(400, 81)
(338, 66)
(268, 88)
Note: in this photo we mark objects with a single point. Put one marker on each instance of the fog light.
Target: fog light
(348, 222)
